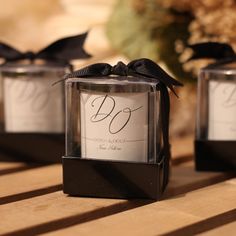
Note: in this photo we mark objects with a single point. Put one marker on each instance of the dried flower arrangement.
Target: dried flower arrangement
(162, 30)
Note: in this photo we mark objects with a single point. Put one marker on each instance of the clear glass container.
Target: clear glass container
(29, 102)
(113, 118)
(216, 111)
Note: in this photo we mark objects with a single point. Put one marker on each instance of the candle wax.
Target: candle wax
(222, 110)
(33, 105)
(114, 126)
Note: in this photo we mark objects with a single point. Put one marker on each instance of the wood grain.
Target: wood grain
(30, 179)
(35, 193)
(10, 165)
(54, 208)
(13, 167)
(182, 149)
(184, 178)
(168, 217)
(227, 229)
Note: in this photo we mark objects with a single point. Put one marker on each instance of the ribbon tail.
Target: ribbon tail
(221, 62)
(165, 108)
(9, 53)
(170, 83)
(172, 90)
(65, 49)
(211, 50)
(149, 68)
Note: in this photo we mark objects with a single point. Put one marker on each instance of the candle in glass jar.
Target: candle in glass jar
(31, 103)
(222, 110)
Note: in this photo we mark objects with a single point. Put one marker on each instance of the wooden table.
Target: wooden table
(32, 202)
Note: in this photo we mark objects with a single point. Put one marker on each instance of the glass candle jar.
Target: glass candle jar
(216, 118)
(113, 118)
(32, 112)
(30, 104)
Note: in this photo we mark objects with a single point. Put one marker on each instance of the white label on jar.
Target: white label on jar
(114, 126)
(222, 110)
(33, 105)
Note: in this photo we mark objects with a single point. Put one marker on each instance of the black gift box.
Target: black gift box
(114, 179)
(117, 131)
(38, 148)
(215, 155)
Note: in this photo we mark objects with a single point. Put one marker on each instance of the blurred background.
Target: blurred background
(31, 25)
(125, 30)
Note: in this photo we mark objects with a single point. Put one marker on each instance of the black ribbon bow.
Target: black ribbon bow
(223, 53)
(62, 50)
(145, 68)
(142, 67)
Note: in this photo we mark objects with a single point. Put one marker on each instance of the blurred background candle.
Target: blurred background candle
(216, 115)
(31, 103)
(222, 110)
(32, 112)
(216, 119)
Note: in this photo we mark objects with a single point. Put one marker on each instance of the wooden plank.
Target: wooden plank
(55, 212)
(172, 217)
(10, 165)
(43, 180)
(35, 193)
(13, 167)
(56, 209)
(227, 230)
(184, 178)
(182, 149)
(28, 183)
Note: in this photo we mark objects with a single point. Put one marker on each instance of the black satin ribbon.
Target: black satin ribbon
(144, 68)
(223, 53)
(62, 50)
